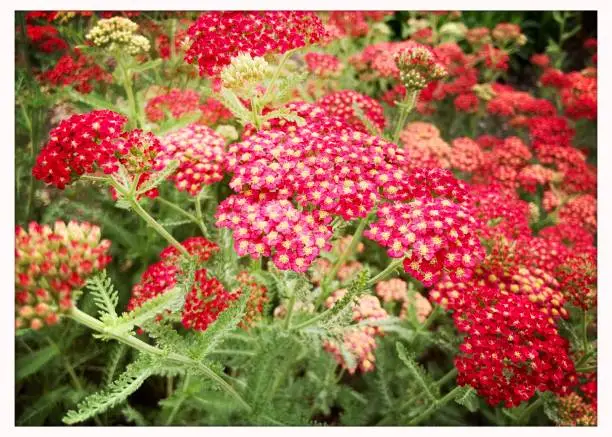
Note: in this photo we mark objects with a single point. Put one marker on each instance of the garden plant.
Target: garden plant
(306, 218)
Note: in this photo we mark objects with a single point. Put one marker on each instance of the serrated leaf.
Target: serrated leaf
(92, 100)
(171, 300)
(177, 123)
(135, 374)
(146, 66)
(205, 342)
(286, 115)
(233, 103)
(420, 375)
(105, 295)
(468, 398)
(34, 361)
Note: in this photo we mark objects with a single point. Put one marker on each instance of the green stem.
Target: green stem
(129, 91)
(450, 375)
(432, 317)
(405, 108)
(138, 209)
(341, 260)
(177, 208)
(128, 339)
(290, 306)
(388, 270)
(275, 75)
(179, 403)
(436, 406)
(199, 215)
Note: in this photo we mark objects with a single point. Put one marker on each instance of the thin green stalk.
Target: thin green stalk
(179, 403)
(342, 259)
(199, 215)
(290, 306)
(138, 209)
(405, 108)
(436, 406)
(128, 339)
(276, 74)
(177, 208)
(129, 91)
(388, 270)
(449, 375)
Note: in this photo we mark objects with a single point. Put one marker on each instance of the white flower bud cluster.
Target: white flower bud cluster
(118, 33)
(245, 72)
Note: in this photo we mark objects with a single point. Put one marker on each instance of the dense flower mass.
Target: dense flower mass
(341, 104)
(118, 33)
(358, 342)
(77, 70)
(77, 146)
(51, 262)
(323, 65)
(174, 103)
(418, 67)
(200, 155)
(217, 37)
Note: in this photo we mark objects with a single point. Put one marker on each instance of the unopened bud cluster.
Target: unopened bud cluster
(246, 72)
(418, 67)
(51, 262)
(118, 33)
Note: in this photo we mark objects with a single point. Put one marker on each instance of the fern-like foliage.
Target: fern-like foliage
(422, 378)
(159, 176)
(114, 362)
(116, 393)
(202, 343)
(468, 398)
(171, 300)
(105, 296)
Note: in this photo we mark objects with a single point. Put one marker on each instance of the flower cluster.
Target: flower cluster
(358, 342)
(510, 350)
(323, 65)
(244, 73)
(257, 299)
(77, 145)
(424, 146)
(50, 263)
(203, 302)
(213, 112)
(396, 290)
(466, 155)
(118, 33)
(77, 70)
(46, 38)
(341, 104)
(175, 103)
(200, 154)
(418, 67)
(355, 23)
(217, 37)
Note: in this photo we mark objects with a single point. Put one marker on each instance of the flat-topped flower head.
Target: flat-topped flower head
(217, 37)
(51, 262)
(118, 33)
(79, 145)
(323, 65)
(341, 104)
(174, 103)
(418, 67)
(135, 150)
(200, 153)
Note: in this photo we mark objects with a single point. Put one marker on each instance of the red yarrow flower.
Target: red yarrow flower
(217, 37)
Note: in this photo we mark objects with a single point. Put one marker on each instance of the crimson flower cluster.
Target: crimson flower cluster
(340, 104)
(77, 70)
(78, 144)
(203, 302)
(50, 263)
(200, 153)
(174, 103)
(355, 23)
(217, 37)
(323, 65)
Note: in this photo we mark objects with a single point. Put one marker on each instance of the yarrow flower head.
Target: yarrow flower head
(118, 33)
(323, 65)
(418, 67)
(217, 37)
(174, 103)
(341, 104)
(77, 146)
(204, 302)
(77, 70)
(51, 262)
(200, 154)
